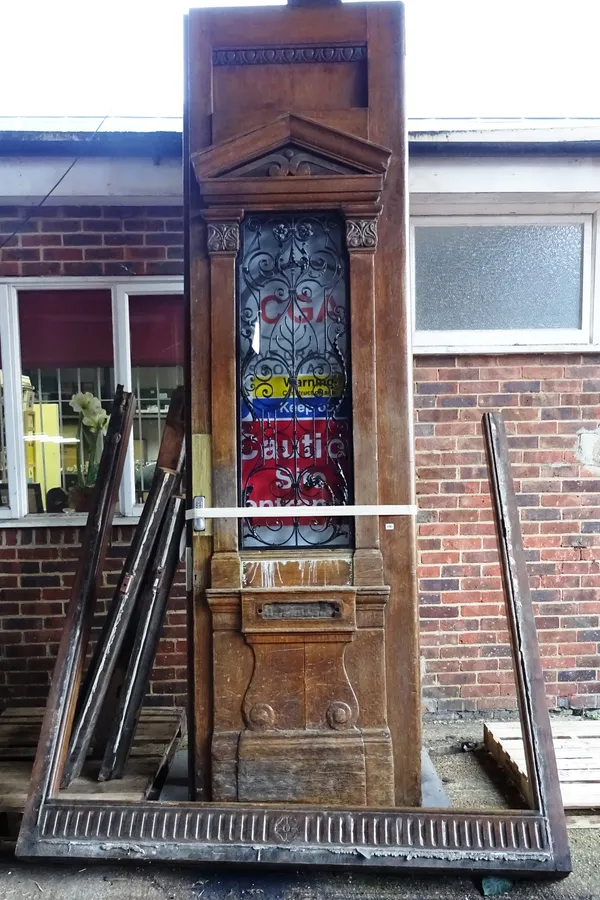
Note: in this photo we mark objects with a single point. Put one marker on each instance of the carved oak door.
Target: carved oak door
(304, 621)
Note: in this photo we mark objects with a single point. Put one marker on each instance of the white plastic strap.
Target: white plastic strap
(298, 512)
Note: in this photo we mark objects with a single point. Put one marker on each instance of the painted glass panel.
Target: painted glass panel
(295, 411)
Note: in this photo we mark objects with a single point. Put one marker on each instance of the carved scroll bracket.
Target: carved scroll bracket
(361, 234)
(223, 231)
(223, 237)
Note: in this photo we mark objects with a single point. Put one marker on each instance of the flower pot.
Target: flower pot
(80, 498)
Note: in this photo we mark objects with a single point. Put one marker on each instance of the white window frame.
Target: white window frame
(514, 340)
(16, 514)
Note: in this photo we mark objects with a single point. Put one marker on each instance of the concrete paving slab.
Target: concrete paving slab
(21, 881)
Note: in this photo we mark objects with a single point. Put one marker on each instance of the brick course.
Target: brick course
(80, 241)
(546, 399)
(37, 567)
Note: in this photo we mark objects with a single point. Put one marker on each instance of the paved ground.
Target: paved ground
(465, 780)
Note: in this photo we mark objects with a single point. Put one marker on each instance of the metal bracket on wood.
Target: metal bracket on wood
(198, 514)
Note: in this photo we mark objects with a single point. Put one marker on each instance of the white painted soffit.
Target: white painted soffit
(93, 180)
(561, 176)
(130, 181)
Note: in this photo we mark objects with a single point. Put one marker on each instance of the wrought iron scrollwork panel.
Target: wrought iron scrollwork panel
(295, 412)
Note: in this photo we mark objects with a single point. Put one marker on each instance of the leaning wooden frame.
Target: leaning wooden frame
(512, 841)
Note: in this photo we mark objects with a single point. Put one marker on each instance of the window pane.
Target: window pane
(66, 349)
(3, 460)
(472, 277)
(293, 373)
(157, 356)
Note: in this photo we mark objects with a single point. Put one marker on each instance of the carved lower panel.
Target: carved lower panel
(510, 841)
(302, 767)
(301, 726)
(379, 766)
(224, 766)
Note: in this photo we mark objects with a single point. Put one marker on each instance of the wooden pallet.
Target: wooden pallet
(577, 748)
(159, 733)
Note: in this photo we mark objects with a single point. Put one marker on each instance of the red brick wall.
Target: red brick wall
(37, 566)
(92, 240)
(546, 400)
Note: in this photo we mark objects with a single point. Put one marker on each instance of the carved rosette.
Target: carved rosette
(361, 234)
(340, 715)
(260, 716)
(286, 828)
(223, 237)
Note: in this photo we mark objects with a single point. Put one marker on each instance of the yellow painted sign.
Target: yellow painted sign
(278, 386)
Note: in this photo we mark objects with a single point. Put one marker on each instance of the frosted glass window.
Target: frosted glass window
(471, 277)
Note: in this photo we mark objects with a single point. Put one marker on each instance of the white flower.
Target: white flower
(83, 403)
(96, 419)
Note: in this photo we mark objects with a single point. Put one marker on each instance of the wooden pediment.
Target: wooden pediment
(288, 161)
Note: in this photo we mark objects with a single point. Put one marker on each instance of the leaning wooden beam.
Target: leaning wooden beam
(171, 455)
(98, 698)
(173, 433)
(115, 627)
(529, 676)
(151, 614)
(71, 652)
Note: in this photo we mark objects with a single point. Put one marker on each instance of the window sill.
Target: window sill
(59, 520)
(489, 348)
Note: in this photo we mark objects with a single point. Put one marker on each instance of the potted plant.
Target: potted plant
(91, 428)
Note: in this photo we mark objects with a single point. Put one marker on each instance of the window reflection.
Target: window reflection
(66, 350)
(157, 355)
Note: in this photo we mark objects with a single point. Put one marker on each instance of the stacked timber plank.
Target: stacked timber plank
(159, 734)
(577, 747)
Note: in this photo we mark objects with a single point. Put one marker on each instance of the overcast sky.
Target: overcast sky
(465, 58)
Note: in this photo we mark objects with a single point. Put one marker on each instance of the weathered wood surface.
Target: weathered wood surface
(58, 717)
(56, 724)
(253, 109)
(152, 607)
(171, 458)
(198, 132)
(395, 441)
(172, 439)
(529, 676)
(224, 413)
(507, 841)
(157, 737)
(364, 403)
(106, 654)
(95, 705)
